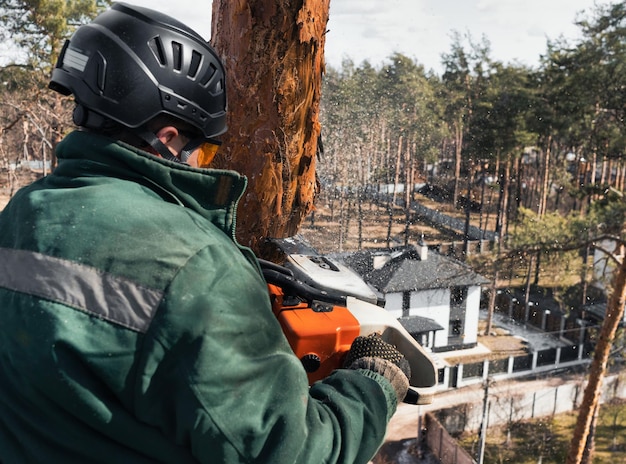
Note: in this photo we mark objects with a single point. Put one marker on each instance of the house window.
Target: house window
(456, 326)
(458, 296)
(406, 304)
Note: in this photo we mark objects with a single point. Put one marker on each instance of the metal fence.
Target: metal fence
(461, 375)
(442, 445)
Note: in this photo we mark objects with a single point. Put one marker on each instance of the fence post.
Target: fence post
(440, 441)
(533, 366)
(556, 394)
(581, 338)
(544, 317)
(512, 301)
(509, 369)
(562, 327)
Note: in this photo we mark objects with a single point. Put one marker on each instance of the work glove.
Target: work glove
(375, 354)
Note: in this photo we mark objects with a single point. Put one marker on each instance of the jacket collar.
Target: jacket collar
(202, 190)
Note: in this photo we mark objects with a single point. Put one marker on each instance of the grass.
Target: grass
(547, 440)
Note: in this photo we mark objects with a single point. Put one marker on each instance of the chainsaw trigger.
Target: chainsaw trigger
(321, 307)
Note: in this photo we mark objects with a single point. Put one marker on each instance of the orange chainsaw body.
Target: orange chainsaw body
(320, 337)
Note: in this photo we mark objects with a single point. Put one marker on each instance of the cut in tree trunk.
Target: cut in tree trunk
(273, 52)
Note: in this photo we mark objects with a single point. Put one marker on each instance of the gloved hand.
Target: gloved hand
(375, 354)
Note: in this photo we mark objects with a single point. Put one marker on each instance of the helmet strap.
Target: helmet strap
(155, 143)
(187, 150)
(85, 117)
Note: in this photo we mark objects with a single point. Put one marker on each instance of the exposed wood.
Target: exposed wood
(273, 51)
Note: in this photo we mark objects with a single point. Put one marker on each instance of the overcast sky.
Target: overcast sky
(518, 30)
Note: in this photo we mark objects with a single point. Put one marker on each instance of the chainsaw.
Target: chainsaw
(322, 306)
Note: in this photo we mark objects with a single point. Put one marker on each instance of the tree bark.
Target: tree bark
(503, 202)
(396, 181)
(614, 315)
(545, 181)
(408, 191)
(458, 159)
(273, 51)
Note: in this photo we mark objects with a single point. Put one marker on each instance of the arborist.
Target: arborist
(133, 327)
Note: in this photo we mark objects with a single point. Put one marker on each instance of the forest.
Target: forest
(543, 148)
(549, 140)
(535, 155)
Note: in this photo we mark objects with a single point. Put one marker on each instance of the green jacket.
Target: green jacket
(133, 329)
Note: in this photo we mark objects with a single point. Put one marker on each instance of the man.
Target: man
(133, 328)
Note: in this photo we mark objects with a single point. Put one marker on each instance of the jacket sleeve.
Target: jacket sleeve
(218, 376)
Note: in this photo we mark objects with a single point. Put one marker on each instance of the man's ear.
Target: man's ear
(166, 134)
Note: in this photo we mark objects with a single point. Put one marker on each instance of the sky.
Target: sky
(518, 30)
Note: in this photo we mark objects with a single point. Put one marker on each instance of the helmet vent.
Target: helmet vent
(177, 52)
(208, 76)
(194, 66)
(157, 49)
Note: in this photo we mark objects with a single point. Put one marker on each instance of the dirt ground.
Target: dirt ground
(325, 230)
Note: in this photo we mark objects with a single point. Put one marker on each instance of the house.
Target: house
(603, 272)
(436, 298)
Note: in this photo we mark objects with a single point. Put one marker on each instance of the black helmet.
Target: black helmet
(131, 64)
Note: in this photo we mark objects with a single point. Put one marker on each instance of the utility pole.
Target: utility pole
(483, 425)
(419, 431)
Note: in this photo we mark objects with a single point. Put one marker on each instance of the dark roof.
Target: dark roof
(405, 271)
(418, 325)
(598, 310)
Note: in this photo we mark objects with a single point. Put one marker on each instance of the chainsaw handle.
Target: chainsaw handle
(293, 287)
(268, 265)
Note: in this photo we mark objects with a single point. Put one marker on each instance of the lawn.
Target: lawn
(546, 440)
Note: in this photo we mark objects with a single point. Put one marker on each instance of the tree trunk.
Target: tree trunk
(360, 192)
(597, 370)
(396, 181)
(503, 203)
(491, 306)
(590, 448)
(545, 182)
(458, 159)
(273, 52)
(408, 192)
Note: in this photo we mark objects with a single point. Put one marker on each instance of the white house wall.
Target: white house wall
(393, 304)
(603, 267)
(433, 304)
(472, 309)
(469, 314)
